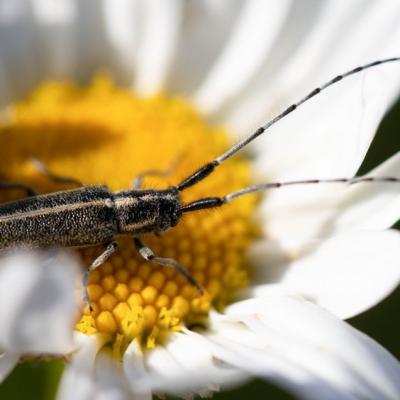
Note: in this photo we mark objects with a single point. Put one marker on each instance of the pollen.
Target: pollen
(102, 134)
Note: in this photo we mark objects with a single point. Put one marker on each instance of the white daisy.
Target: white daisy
(324, 253)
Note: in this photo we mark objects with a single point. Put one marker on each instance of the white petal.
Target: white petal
(136, 375)
(17, 46)
(338, 39)
(7, 363)
(56, 36)
(121, 19)
(342, 38)
(53, 13)
(292, 215)
(303, 19)
(371, 206)
(109, 382)
(168, 374)
(174, 369)
(346, 274)
(294, 378)
(330, 135)
(157, 45)
(328, 138)
(247, 48)
(37, 302)
(199, 372)
(162, 367)
(269, 262)
(331, 148)
(206, 26)
(91, 43)
(235, 344)
(77, 381)
(309, 32)
(301, 212)
(288, 331)
(5, 90)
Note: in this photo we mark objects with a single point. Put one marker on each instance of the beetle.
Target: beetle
(92, 215)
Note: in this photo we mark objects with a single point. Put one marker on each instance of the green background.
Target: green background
(38, 380)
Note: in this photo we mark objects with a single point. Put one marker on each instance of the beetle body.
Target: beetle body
(86, 216)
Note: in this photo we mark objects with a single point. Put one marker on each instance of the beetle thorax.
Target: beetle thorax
(146, 211)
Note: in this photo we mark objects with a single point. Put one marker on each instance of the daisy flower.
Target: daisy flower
(120, 87)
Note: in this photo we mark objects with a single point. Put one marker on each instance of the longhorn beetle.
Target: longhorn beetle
(93, 215)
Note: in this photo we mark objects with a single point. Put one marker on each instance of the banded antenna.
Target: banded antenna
(208, 168)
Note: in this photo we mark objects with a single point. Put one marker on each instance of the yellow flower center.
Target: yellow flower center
(105, 135)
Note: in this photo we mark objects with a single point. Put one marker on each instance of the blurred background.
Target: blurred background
(38, 380)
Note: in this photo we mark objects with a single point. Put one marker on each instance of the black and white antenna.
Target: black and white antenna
(207, 169)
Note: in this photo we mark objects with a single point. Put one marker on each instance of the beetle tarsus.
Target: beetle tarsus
(148, 255)
(111, 247)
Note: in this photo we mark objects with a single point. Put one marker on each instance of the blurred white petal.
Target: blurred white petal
(121, 20)
(17, 46)
(109, 382)
(157, 45)
(207, 25)
(199, 372)
(37, 302)
(162, 367)
(78, 379)
(7, 362)
(137, 376)
(254, 33)
(5, 90)
(91, 44)
(56, 38)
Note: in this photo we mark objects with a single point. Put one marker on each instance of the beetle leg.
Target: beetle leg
(111, 247)
(11, 185)
(43, 169)
(148, 255)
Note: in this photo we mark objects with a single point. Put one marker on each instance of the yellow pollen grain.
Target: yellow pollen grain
(107, 268)
(149, 294)
(120, 310)
(121, 292)
(171, 288)
(162, 301)
(134, 300)
(105, 322)
(122, 275)
(95, 291)
(107, 302)
(157, 280)
(108, 282)
(150, 315)
(103, 134)
(131, 264)
(136, 284)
